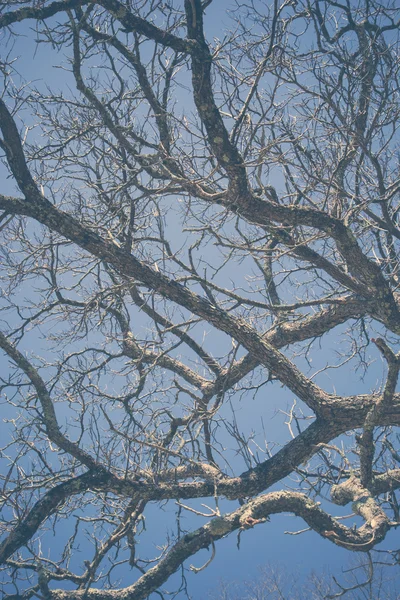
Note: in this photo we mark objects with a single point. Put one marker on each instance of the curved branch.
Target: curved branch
(256, 511)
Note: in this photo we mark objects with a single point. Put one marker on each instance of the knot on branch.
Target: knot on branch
(345, 492)
(247, 521)
(219, 526)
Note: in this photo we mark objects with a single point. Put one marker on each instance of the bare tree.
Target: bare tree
(186, 219)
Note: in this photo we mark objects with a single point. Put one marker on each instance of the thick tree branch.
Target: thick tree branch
(39, 12)
(256, 511)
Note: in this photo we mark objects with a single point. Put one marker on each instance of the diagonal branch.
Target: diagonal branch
(132, 23)
(44, 212)
(39, 12)
(48, 413)
(42, 510)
